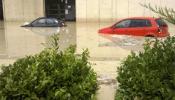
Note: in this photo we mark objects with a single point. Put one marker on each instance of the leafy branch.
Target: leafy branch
(53, 42)
(164, 12)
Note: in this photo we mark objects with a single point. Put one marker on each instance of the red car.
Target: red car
(138, 26)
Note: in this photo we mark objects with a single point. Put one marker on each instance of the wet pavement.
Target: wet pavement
(106, 51)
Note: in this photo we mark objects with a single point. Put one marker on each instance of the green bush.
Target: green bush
(149, 75)
(49, 75)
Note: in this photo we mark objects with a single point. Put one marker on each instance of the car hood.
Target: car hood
(106, 30)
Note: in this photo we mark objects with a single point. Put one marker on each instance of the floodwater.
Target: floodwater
(16, 41)
(106, 51)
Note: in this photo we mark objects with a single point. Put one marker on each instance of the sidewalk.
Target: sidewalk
(106, 72)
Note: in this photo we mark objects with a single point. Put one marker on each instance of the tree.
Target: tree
(166, 13)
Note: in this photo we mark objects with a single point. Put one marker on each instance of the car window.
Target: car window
(40, 22)
(50, 21)
(140, 23)
(160, 22)
(123, 24)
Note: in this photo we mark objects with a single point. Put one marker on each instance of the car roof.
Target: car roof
(149, 18)
(46, 18)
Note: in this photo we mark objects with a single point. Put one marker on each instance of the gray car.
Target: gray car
(46, 22)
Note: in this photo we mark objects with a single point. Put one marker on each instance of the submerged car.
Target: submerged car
(138, 26)
(45, 22)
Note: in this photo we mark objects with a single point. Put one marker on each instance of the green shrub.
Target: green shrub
(149, 75)
(49, 75)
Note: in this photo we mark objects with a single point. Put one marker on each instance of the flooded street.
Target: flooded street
(17, 41)
(106, 51)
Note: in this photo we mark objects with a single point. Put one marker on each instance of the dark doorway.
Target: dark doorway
(60, 9)
(1, 10)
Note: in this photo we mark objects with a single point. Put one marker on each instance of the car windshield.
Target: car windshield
(41, 21)
(123, 24)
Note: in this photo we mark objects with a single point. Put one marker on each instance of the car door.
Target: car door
(121, 28)
(139, 27)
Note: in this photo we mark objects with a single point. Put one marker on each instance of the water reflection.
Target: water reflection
(67, 36)
(48, 31)
(133, 43)
(87, 37)
(21, 42)
(16, 41)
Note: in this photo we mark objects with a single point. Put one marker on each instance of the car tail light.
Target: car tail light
(159, 30)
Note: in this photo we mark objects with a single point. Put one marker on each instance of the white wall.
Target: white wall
(108, 10)
(86, 10)
(22, 10)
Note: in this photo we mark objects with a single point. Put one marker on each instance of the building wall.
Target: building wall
(109, 10)
(86, 10)
(23, 10)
